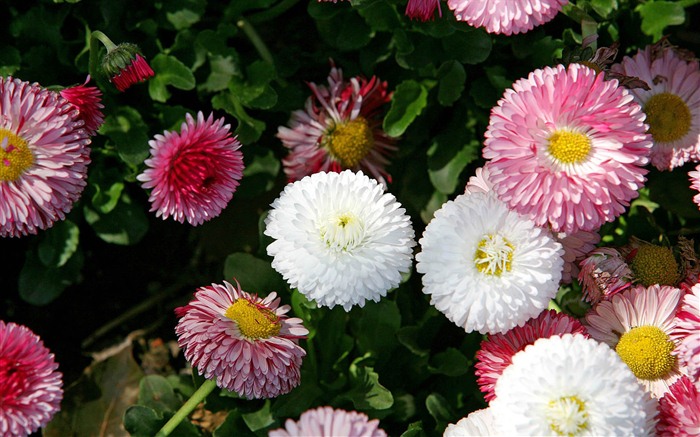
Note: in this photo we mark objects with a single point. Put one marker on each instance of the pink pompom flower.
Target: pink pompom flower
(497, 350)
(329, 422)
(44, 156)
(246, 343)
(687, 332)
(506, 17)
(567, 148)
(671, 104)
(679, 410)
(195, 172)
(88, 101)
(339, 128)
(30, 386)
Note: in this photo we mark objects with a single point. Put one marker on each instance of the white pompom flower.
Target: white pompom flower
(339, 239)
(487, 268)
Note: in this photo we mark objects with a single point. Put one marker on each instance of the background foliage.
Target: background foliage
(112, 272)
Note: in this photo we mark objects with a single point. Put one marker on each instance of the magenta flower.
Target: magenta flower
(422, 10)
(30, 386)
(672, 103)
(327, 422)
(695, 184)
(679, 410)
(567, 148)
(123, 64)
(246, 343)
(43, 157)
(687, 332)
(497, 350)
(193, 173)
(137, 71)
(340, 128)
(87, 100)
(506, 16)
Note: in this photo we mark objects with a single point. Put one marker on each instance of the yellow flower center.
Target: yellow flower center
(342, 232)
(15, 156)
(569, 147)
(567, 416)
(254, 321)
(350, 142)
(494, 255)
(668, 117)
(655, 265)
(647, 352)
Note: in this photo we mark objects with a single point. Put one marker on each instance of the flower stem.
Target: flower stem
(254, 38)
(104, 39)
(184, 411)
(93, 67)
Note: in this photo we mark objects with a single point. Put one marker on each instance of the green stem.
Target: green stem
(272, 12)
(254, 38)
(189, 406)
(97, 37)
(104, 39)
(554, 306)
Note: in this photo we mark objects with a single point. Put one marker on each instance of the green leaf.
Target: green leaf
(255, 91)
(155, 392)
(440, 409)
(126, 224)
(671, 190)
(182, 14)
(254, 274)
(169, 71)
(10, 60)
(471, 47)
(59, 243)
(414, 429)
(125, 127)
(435, 203)
(448, 156)
(451, 362)
(381, 16)
(657, 15)
(452, 79)
(40, 285)
(298, 400)
(260, 174)
(410, 98)
(259, 419)
(377, 326)
(345, 31)
(604, 7)
(249, 129)
(142, 421)
(223, 69)
(367, 393)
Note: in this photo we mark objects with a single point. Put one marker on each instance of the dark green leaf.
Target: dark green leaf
(471, 47)
(259, 419)
(9, 60)
(125, 127)
(254, 274)
(671, 190)
(184, 13)
(169, 71)
(367, 393)
(126, 224)
(452, 78)
(415, 429)
(39, 284)
(59, 243)
(381, 16)
(410, 98)
(450, 362)
(142, 421)
(440, 409)
(155, 392)
(377, 326)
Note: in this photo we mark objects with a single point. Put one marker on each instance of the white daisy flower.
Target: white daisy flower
(487, 268)
(477, 423)
(339, 239)
(570, 385)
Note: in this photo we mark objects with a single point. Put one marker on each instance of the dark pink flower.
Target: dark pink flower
(422, 9)
(87, 100)
(679, 410)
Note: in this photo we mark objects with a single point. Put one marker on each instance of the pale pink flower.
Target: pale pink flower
(480, 182)
(339, 128)
(576, 246)
(195, 172)
(422, 9)
(506, 16)
(695, 184)
(567, 148)
(477, 423)
(672, 104)
(88, 101)
(497, 350)
(637, 323)
(687, 332)
(30, 386)
(245, 342)
(43, 157)
(679, 410)
(604, 273)
(328, 422)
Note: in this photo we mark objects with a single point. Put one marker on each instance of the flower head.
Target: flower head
(87, 100)
(30, 386)
(652, 264)
(339, 238)
(577, 246)
(506, 16)
(422, 10)
(43, 157)
(125, 66)
(637, 324)
(687, 332)
(695, 184)
(340, 128)
(570, 385)
(567, 148)
(486, 267)
(328, 422)
(496, 352)
(604, 273)
(193, 173)
(477, 423)
(679, 410)
(246, 343)
(672, 105)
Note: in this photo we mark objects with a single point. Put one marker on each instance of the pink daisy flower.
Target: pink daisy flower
(422, 9)
(340, 128)
(43, 157)
(576, 246)
(567, 148)
(497, 350)
(193, 173)
(672, 104)
(679, 410)
(506, 16)
(245, 342)
(604, 273)
(327, 422)
(87, 100)
(480, 182)
(637, 323)
(687, 332)
(695, 184)
(30, 386)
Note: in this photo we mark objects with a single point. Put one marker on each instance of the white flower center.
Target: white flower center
(567, 416)
(494, 255)
(342, 232)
